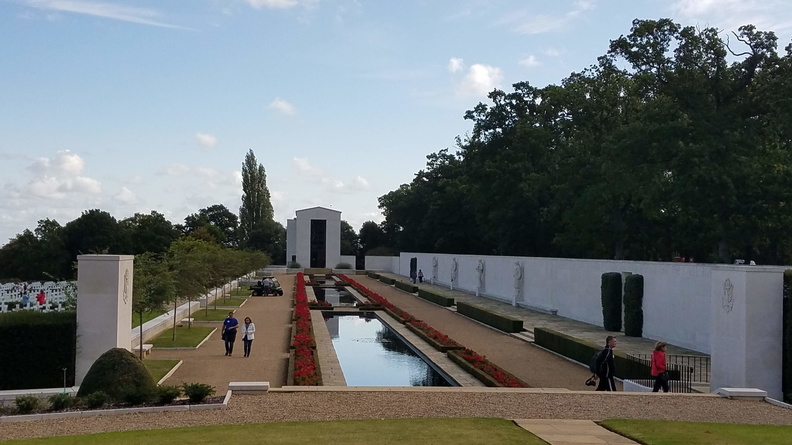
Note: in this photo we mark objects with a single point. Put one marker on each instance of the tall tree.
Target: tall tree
(349, 239)
(149, 232)
(256, 207)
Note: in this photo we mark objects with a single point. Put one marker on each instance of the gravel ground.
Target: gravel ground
(305, 406)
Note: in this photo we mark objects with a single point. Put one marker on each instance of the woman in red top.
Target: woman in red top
(659, 367)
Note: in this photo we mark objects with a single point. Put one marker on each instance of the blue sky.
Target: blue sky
(133, 106)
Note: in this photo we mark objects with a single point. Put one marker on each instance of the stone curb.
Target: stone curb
(170, 373)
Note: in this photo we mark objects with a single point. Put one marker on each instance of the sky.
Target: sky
(140, 105)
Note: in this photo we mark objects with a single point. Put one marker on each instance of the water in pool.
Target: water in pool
(371, 354)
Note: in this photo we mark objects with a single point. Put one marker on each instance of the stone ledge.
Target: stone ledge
(741, 393)
(249, 387)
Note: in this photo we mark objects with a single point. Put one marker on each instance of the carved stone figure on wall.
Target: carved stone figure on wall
(454, 271)
(434, 270)
(518, 282)
(480, 272)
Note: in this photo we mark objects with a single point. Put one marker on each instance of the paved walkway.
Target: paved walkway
(563, 432)
(269, 356)
(531, 319)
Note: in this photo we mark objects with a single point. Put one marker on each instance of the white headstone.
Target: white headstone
(104, 307)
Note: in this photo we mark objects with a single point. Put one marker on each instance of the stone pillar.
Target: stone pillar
(104, 307)
(747, 307)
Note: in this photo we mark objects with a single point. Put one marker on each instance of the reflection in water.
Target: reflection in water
(337, 296)
(371, 354)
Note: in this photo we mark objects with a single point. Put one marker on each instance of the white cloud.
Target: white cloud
(66, 162)
(282, 106)
(528, 22)
(206, 140)
(312, 174)
(731, 14)
(55, 178)
(272, 4)
(455, 64)
(304, 168)
(530, 62)
(143, 16)
(481, 79)
(552, 52)
(126, 196)
(176, 170)
(135, 179)
(81, 184)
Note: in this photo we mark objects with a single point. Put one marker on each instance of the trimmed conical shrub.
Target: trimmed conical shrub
(633, 305)
(121, 375)
(611, 290)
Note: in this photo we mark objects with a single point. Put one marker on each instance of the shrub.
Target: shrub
(62, 401)
(96, 399)
(23, 333)
(167, 394)
(633, 305)
(196, 392)
(344, 266)
(120, 374)
(138, 395)
(497, 321)
(611, 291)
(293, 265)
(27, 404)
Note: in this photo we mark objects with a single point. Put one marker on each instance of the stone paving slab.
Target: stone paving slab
(532, 319)
(563, 432)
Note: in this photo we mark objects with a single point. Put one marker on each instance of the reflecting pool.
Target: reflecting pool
(337, 296)
(371, 354)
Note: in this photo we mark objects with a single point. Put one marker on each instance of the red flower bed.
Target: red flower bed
(377, 298)
(501, 376)
(305, 373)
(433, 333)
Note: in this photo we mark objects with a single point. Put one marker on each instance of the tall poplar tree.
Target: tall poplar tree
(256, 210)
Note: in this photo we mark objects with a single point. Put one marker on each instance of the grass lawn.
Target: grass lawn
(158, 368)
(380, 432)
(147, 316)
(213, 314)
(230, 302)
(240, 293)
(185, 337)
(660, 432)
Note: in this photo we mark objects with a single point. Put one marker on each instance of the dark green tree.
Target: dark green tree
(256, 207)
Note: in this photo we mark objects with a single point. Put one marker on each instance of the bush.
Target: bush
(120, 374)
(497, 321)
(293, 265)
(344, 266)
(196, 392)
(138, 395)
(23, 333)
(62, 401)
(633, 305)
(407, 287)
(435, 298)
(27, 404)
(96, 399)
(611, 291)
(387, 280)
(167, 394)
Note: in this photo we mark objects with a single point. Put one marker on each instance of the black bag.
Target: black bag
(594, 364)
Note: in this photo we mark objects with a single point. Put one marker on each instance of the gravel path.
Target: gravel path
(304, 406)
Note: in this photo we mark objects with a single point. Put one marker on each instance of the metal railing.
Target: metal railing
(684, 371)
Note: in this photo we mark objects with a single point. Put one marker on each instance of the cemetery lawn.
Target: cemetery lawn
(240, 293)
(158, 368)
(147, 316)
(185, 337)
(381, 432)
(213, 315)
(661, 432)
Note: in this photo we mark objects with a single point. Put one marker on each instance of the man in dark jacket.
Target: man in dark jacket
(605, 366)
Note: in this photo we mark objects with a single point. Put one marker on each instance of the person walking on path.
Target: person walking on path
(420, 276)
(659, 367)
(605, 366)
(248, 332)
(230, 325)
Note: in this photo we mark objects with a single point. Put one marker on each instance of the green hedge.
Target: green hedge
(35, 347)
(786, 356)
(633, 305)
(582, 351)
(435, 298)
(407, 287)
(374, 275)
(611, 291)
(506, 324)
(387, 280)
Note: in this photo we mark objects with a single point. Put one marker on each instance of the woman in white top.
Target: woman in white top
(248, 332)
